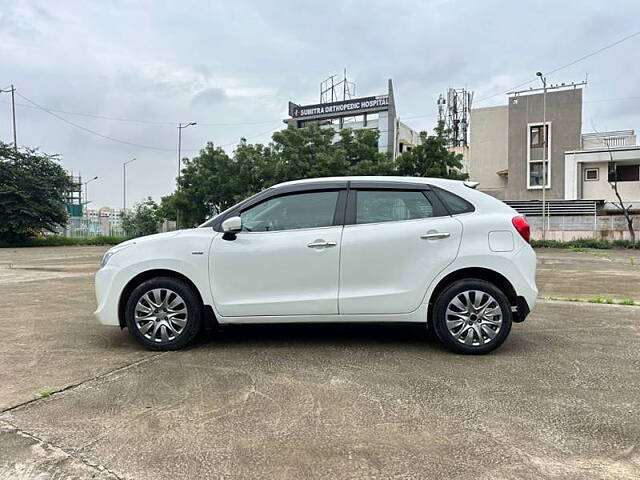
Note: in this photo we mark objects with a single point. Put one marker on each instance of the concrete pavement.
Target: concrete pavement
(558, 400)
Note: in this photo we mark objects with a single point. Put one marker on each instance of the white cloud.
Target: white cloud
(241, 61)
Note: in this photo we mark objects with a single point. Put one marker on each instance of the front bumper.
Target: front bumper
(109, 283)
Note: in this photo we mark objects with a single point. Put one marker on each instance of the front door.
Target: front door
(285, 261)
(396, 244)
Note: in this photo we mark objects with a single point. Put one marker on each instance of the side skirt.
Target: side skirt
(417, 316)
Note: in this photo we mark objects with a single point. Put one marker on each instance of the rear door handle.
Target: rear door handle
(321, 244)
(435, 236)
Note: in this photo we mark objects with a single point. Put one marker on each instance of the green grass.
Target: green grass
(600, 300)
(60, 241)
(46, 392)
(596, 300)
(583, 243)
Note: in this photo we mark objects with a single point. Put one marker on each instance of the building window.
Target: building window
(535, 174)
(535, 136)
(624, 173)
(591, 174)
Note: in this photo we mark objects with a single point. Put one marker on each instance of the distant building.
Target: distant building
(113, 214)
(506, 149)
(589, 170)
(357, 113)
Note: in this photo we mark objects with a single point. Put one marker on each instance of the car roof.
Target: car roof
(426, 180)
(465, 189)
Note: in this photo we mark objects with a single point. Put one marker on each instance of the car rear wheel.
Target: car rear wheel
(163, 313)
(472, 316)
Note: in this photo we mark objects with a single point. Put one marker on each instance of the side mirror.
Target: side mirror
(230, 227)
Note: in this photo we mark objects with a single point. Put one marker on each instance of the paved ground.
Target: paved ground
(559, 400)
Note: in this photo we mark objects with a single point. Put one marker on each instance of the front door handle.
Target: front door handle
(321, 244)
(435, 236)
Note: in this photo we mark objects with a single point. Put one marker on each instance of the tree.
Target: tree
(620, 205)
(208, 184)
(142, 220)
(306, 153)
(432, 158)
(32, 189)
(214, 181)
(360, 148)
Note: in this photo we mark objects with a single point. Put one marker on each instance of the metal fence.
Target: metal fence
(571, 219)
(601, 223)
(78, 227)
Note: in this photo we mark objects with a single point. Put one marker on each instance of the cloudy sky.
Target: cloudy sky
(233, 66)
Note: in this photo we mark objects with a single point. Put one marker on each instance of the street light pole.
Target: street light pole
(544, 148)
(180, 127)
(12, 89)
(86, 192)
(124, 184)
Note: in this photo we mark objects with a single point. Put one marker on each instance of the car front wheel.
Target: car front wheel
(163, 313)
(472, 316)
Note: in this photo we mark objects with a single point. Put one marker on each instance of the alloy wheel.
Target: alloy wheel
(161, 315)
(474, 318)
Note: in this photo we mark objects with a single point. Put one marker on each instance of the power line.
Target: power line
(146, 122)
(584, 57)
(118, 140)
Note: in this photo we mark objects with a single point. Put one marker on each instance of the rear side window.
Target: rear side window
(374, 206)
(454, 203)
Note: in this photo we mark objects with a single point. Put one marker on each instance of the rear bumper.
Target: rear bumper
(525, 283)
(522, 310)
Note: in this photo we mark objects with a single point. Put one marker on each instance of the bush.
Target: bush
(60, 241)
(585, 243)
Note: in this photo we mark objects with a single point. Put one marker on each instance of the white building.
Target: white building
(113, 214)
(359, 113)
(589, 171)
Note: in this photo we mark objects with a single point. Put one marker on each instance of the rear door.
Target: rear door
(395, 242)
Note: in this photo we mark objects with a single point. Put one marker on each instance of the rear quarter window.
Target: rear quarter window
(455, 204)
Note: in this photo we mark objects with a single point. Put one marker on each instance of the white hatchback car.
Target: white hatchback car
(346, 249)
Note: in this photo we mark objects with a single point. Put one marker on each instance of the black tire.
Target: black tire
(193, 314)
(448, 338)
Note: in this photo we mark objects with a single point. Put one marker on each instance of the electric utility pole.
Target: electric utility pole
(12, 89)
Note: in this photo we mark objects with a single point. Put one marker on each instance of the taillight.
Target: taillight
(522, 226)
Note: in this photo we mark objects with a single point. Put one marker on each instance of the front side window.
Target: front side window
(290, 212)
(374, 206)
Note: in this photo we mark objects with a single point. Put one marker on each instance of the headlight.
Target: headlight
(112, 251)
